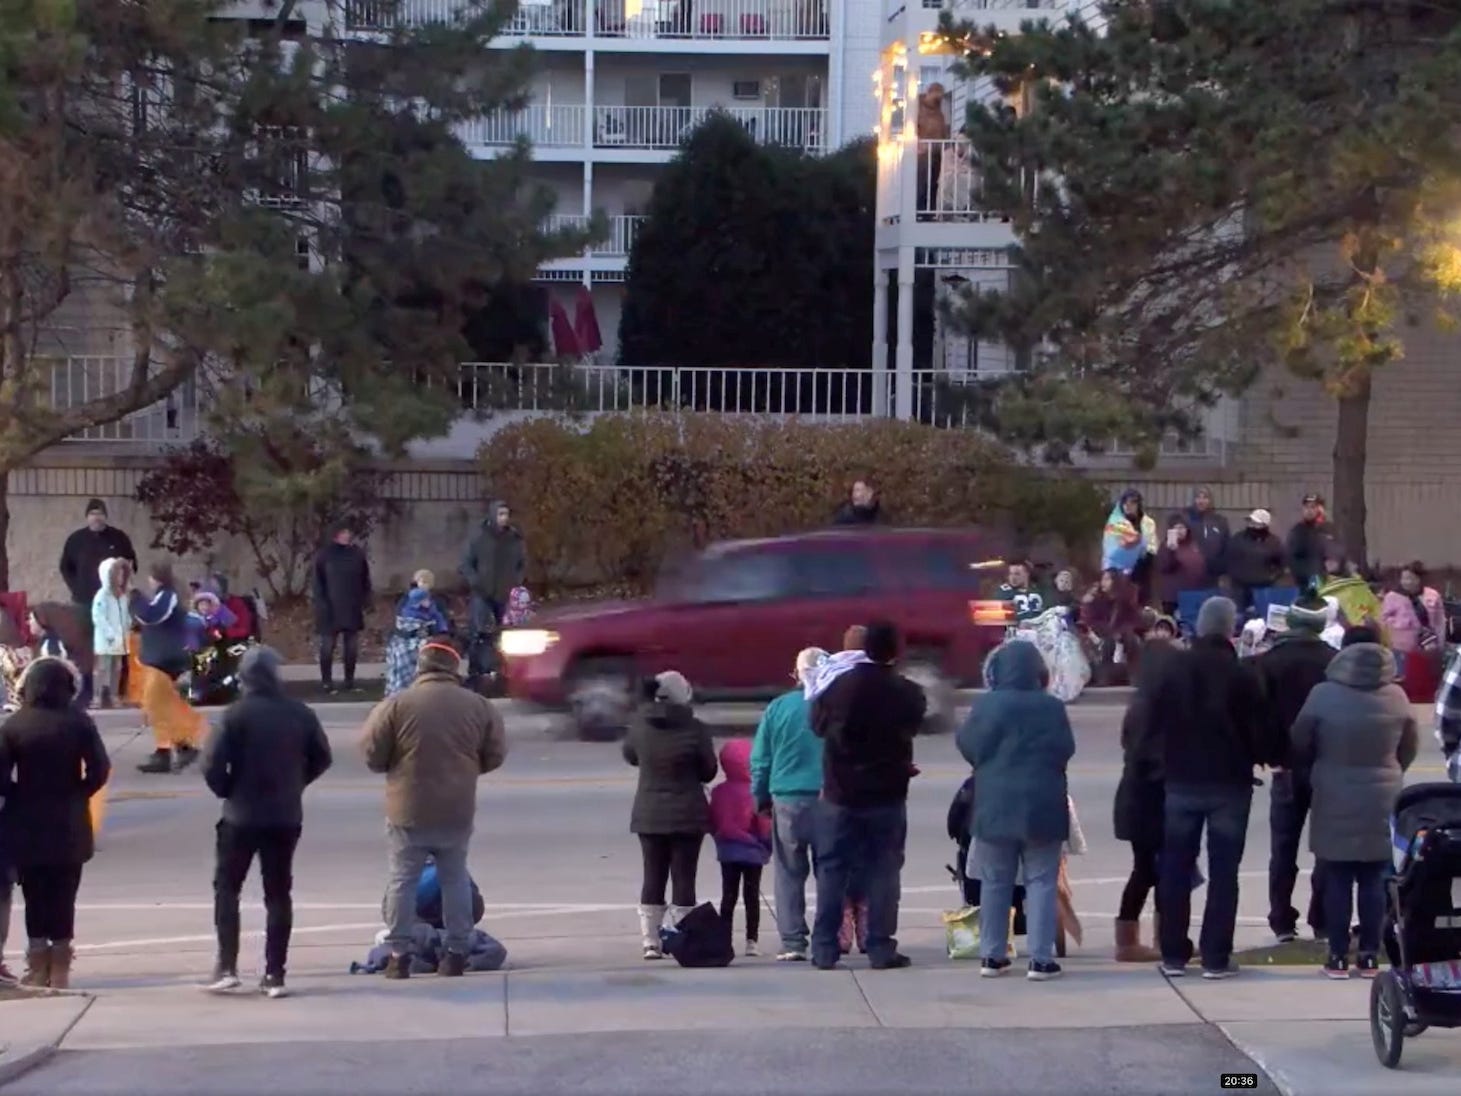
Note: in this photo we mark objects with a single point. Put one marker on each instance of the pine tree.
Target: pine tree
(753, 256)
(1207, 187)
(279, 211)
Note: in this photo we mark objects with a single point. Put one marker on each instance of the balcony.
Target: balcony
(713, 20)
(543, 125)
(626, 20)
(947, 186)
(77, 381)
(664, 128)
(642, 129)
(622, 230)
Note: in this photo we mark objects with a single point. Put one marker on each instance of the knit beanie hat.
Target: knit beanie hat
(1308, 618)
(96, 506)
(1217, 617)
(438, 658)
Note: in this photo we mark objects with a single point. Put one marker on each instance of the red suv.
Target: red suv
(733, 619)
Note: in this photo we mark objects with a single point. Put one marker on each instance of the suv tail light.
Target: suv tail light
(1000, 613)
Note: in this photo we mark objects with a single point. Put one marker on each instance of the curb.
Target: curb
(17, 1065)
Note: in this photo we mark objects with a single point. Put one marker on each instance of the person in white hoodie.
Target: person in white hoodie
(110, 620)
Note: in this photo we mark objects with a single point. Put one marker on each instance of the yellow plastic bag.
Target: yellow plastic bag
(961, 933)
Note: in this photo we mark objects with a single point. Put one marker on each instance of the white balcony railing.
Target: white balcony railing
(78, 381)
(730, 20)
(622, 230)
(947, 186)
(556, 126)
(938, 397)
(713, 19)
(665, 128)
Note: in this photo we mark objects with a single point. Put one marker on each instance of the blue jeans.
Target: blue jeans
(1344, 880)
(998, 864)
(791, 847)
(866, 844)
(1221, 809)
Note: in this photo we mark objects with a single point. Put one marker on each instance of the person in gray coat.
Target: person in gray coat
(1358, 735)
(1019, 741)
(676, 759)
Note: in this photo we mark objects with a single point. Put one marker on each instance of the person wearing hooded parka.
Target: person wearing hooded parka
(1019, 741)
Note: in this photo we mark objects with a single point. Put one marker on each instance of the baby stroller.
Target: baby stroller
(1422, 933)
(214, 679)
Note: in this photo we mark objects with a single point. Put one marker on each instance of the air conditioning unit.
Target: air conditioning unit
(746, 89)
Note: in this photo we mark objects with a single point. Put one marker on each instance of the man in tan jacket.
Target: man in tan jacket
(432, 741)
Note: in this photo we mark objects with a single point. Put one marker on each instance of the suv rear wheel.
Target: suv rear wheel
(924, 669)
(600, 699)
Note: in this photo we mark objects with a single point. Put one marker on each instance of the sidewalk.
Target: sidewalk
(1311, 1036)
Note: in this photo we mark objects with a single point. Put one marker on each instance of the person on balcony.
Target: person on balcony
(932, 126)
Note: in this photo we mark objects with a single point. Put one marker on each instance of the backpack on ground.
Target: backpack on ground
(701, 939)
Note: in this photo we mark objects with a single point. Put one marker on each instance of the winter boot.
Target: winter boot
(158, 761)
(61, 955)
(1129, 948)
(398, 968)
(37, 965)
(650, 920)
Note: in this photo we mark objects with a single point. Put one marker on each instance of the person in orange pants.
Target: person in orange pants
(163, 652)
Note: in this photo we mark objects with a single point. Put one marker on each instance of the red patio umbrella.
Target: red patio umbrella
(586, 322)
(565, 341)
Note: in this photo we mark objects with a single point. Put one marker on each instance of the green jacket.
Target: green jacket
(786, 758)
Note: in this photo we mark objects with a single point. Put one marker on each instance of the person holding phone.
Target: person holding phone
(1181, 566)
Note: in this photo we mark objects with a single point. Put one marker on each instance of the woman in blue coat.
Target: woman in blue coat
(1019, 741)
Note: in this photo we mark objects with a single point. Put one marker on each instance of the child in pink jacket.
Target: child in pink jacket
(742, 838)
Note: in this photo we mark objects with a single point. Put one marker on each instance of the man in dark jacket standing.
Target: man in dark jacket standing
(1288, 671)
(266, 751)
(1210, 532)
(1308, 542)
(1254, 559)
(867, 718)
(341, 594)
(496, 560)
(1208, 712)
(82, 555)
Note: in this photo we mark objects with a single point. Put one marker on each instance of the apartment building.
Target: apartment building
(621, 82)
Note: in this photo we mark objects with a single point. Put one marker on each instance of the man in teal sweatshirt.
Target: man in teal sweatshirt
(786, 776)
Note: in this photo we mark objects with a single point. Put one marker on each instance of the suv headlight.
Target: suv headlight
(525, 642)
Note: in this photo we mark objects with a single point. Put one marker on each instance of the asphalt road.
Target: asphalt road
(559, 871)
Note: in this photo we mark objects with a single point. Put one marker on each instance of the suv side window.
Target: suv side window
(846, 572)
(950, 567)
(742, 576)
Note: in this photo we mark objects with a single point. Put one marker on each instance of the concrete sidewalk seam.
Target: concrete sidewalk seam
(1258, 1058)
(16, 1066)
(861, 992)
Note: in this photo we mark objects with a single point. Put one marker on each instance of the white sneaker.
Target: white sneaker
(752, 948)
(223, 981)
(792, 956)
(272, 987)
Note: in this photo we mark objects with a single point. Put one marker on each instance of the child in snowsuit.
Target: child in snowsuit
(418, 618)
(109, 623)
(742, 839)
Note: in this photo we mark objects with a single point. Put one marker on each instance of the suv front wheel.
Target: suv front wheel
(923, 669)
(600, 699)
